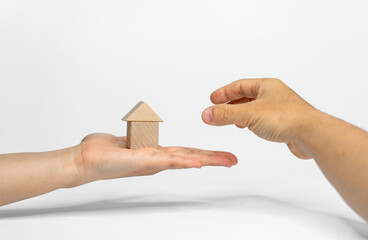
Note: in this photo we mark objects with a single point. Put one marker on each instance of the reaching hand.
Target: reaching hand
(104, 156)
(267, 107)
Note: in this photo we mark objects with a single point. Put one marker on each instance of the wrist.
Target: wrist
(73, 165)
(307, 129)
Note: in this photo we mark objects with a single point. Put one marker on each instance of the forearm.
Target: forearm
(25, 175)
(341, 151)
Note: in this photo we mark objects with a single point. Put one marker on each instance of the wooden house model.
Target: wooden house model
(142, 127)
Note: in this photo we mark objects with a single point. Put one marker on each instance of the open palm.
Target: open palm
(105, 156)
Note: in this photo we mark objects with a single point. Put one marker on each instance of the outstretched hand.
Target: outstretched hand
(268, 107)
(105, 156)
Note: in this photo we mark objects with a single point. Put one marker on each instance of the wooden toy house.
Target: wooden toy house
(142, 127)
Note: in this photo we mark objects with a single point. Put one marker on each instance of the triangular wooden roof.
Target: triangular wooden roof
(142, 113)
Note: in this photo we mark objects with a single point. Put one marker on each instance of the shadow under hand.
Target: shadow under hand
(117, 206)
(310, 217)
(238, 203)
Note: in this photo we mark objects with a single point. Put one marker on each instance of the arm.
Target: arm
(274, 112)
(25, 175)
(341, 151)
(97, 157)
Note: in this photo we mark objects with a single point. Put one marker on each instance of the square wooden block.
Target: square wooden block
(142, 135)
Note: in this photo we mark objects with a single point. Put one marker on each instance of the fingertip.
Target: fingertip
(207, 116)
(235, 162)
(231, 163)
(232, 159)
(213, 97)
(228, 164)
(220, 158)
(218, 96)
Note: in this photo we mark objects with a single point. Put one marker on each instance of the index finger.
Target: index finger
(248, 88)
(206, 157)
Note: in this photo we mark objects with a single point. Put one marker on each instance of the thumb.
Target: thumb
(225, 114)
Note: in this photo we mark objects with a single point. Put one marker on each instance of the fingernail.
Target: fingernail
(207, 115)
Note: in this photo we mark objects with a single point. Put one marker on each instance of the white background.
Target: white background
(69, 68)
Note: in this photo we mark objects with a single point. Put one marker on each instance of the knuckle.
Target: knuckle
(240, 81)
(278, 81)
(267, 80)
(221, 113)
(271, 85)
(271, 80)
(227, 93)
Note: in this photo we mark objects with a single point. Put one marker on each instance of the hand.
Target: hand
(267, 107)
(104, 156)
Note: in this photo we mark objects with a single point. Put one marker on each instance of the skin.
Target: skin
(273, 111)
(97, 157)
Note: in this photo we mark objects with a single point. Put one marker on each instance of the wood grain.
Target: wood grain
(142, 135)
